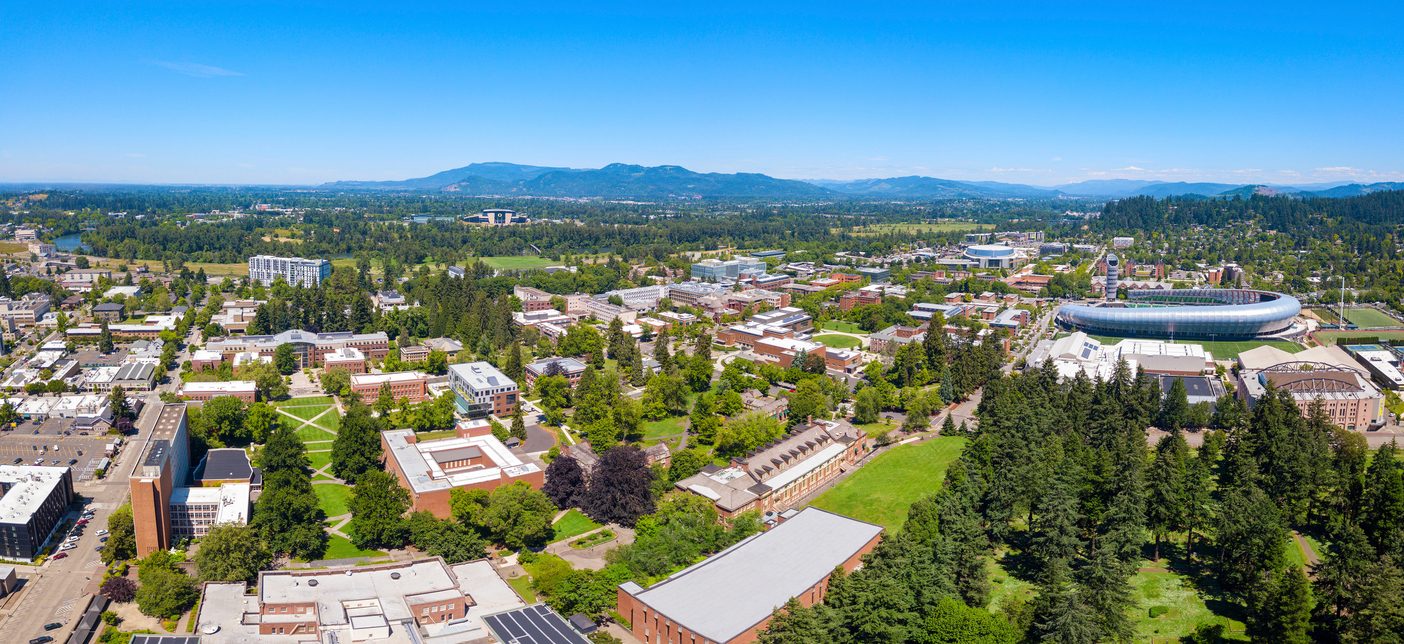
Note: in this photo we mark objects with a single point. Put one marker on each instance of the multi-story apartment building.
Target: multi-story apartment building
(33, 501)
(716, 270)
(25, 311)
(266, 269)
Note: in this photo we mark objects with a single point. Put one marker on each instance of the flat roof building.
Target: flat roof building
(310, 349)
(244, 390)
(411, 386)
(297, 271)
(482, 389)
(33, 500)
(730, 597)
(473, 459)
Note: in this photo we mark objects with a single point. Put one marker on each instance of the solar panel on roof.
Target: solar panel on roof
(536, 624)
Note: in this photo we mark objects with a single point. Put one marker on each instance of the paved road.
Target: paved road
(57, 591)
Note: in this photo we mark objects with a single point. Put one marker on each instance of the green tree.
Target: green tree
(1251, 538)
(1281, 610)
(808, 401)
(164, 591)
(222, 420)
(795, 623)
(378, 505)
(1165, 507)
(105, 343)
(518, 517)
(1175, 409)
(260, 421)
(867, 405)
(746, 432)
(445, 538)
(518, 430)
(232, 553)
(356, 449)
(704, 420)
(336, 382)
(284, 359)
(121, 537)
(664, 396)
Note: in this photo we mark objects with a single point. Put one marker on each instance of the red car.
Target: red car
(82, 522)
(60, 555)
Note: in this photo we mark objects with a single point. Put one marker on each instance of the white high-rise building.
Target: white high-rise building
(266, 269)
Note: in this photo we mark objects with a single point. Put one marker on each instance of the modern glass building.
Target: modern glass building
(1187, 313)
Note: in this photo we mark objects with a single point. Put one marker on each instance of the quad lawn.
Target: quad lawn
(320, 460)
(339, 547)
(330, 422)
(846, 327)
(882, 490)
(571, 524)
(321, 401)
(313, 433)
(333, 498)
(837, 341)
(1370, 318)
(306, 412)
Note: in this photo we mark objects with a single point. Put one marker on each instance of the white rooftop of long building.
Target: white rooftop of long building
(730, 592)
(481, 376)
(378, 378)
(228, 387)
(29, 487)
(425, 474)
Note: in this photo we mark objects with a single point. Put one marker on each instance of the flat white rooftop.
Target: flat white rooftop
(232, 387)
(425, 474)
(29, 487)
(232, 499)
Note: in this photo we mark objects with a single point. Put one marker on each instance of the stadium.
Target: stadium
(1187, 313)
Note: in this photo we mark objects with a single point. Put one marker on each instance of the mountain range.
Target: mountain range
(625, 181)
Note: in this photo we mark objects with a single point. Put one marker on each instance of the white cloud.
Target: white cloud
(197, 70)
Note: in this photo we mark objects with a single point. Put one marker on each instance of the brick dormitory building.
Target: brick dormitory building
(311, 349)
(729, 597)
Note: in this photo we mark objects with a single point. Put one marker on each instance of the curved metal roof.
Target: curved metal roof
(1189, 313)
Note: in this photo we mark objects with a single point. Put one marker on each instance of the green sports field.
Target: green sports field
(517, 262)
(882, 490)
(1370, 318)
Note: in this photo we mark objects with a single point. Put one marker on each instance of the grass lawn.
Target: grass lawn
(339, 547)
(312, 433)
(522, 584)
(571, 524)
(1222, 349)
(876, 429)
(333, 499)
(330, 422)
(1366, 318)
(1186, 608)
(846, 327)
(837, 341)
(882, 490)
(306, 412)
(323, 401)
(320, 460)
(655, 430)
(516, 262)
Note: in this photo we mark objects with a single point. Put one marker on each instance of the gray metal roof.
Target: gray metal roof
(732, 591)
(227, 463)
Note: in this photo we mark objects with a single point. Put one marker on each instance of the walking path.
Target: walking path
(324, 470)
(1312, 558)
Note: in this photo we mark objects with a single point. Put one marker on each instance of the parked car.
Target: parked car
(42, 639)
(59, 555)
(103, 540)
(19, 459)
(83, 521)
(52, 625)
(72, 461)
(102, 532)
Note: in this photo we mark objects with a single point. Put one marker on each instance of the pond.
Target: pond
(70, 243)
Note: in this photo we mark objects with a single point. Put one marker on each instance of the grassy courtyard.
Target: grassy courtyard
(882, 490)
(571, 524)
(840, 325)
(333, 498)
(836, 341)
(339, 547)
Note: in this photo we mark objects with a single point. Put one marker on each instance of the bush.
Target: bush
(119, 589)
(1157, 611)
(110, 618)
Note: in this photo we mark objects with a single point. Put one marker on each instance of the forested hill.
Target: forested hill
(1282, 213)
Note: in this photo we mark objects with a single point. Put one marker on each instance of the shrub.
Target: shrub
(1157, 611)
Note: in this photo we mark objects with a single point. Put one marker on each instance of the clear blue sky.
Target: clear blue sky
(163, 92)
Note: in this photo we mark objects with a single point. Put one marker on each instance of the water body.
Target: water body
(71, 242)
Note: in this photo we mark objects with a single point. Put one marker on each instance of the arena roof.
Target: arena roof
(1187, 313)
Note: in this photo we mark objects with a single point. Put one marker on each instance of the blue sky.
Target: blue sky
(1026, 92)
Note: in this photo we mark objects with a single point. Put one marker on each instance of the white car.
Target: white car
(69, 546)
(102, 532)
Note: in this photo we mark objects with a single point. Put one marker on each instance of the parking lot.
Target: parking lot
(25, 445)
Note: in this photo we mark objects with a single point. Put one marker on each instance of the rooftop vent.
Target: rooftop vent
(394, 575)
(311, 582)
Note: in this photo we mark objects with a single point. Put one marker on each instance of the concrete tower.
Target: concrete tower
(1112, 265)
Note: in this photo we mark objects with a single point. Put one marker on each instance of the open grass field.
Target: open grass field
(1371, 318)
(1330, 337)
(1185, 607)
(8, 247)
(655, 430)
(840, 325)
(319, 459)
(516, 262)
(877, 429)
(882, 490)
(333, 499)
(1222, 349)
(837, 341)
(571, 524)
(310, 433)
(919, 227)
(339, 547)
(307, 401)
